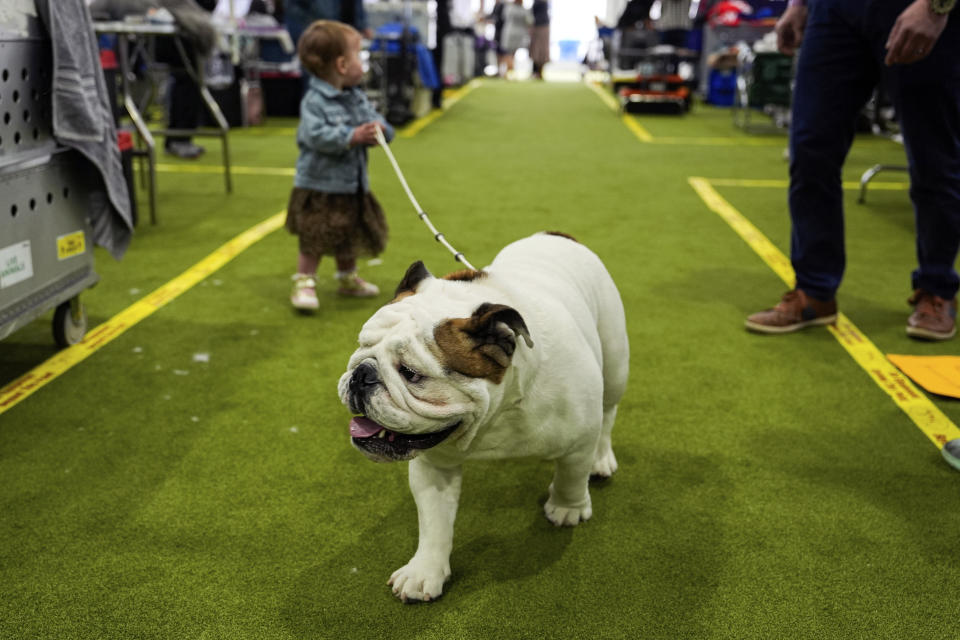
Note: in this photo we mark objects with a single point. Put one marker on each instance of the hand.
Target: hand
(365, 134)
(790, 28)
(914, 34)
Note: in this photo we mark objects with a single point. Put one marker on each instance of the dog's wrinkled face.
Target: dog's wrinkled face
(399, 389)
(422, 373)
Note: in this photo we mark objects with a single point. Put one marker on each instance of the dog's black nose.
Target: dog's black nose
(362, 382)
(364, 376)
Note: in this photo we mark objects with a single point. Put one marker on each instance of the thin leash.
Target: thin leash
(439, 237)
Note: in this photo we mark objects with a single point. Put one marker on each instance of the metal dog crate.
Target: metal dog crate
(765, 84)
(46, 241)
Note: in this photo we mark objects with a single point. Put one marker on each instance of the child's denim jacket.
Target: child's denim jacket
(328, 116)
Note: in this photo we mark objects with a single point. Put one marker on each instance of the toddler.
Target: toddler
(331, 208)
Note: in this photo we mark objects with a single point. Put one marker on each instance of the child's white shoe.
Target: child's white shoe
(354, 286)
(304, 295)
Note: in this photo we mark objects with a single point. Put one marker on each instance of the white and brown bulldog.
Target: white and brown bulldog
(528, 357)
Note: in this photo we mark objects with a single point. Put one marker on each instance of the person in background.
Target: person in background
(297, 14)
(331, 208)
(185, 103)
(516, 33)
(540, 36)
(444, 27)
(605, 36)
(674, 22)
(636, 15)
(634, 33)
(496, 17)
(456, 41)
(847, 47)
(198, 37)
(300, 13)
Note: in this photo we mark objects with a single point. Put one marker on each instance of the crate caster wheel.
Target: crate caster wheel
(69, 323)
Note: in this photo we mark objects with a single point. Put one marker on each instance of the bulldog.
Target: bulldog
(527, 357)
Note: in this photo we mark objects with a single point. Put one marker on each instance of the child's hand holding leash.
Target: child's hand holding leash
(365, 134)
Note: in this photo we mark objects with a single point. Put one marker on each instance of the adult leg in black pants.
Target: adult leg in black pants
(185, 108)
(443, 28)
(185, 103)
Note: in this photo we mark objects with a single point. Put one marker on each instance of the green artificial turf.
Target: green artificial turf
(767, 487)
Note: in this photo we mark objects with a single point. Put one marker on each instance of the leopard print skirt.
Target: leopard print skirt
(337, 224)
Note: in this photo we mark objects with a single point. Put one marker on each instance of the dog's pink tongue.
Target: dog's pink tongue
(361, 427)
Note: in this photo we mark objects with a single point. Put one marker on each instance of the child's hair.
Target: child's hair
(322, 43)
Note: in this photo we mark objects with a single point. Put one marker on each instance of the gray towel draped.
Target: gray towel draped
(83, 118)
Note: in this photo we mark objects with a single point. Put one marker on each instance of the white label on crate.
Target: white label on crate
(16, 264)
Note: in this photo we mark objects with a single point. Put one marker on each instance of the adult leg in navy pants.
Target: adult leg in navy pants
(848, 47)
(926, 95)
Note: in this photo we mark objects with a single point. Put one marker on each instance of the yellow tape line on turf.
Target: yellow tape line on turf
(638, 129)
(604, 95)
(700, 141)
(934, 424)
(722, 141)
(417, 125)
(264, 130)
(216, 168)
(49, 370)
(784, 184)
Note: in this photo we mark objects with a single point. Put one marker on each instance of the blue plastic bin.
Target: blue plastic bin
(721, 87)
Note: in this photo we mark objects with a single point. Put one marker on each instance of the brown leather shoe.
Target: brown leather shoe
(933, 317)
(795, 310)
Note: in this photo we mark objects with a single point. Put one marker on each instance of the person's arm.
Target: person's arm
(323, 136)
(917, 30)
(790, 27)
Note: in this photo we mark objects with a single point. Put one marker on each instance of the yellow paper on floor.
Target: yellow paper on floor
(936, 374)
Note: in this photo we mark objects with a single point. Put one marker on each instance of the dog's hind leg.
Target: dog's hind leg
(604, 462)
(615, 367)
(569, 500)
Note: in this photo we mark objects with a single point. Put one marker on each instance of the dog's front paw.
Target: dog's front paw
(567, 515)
(419, 581)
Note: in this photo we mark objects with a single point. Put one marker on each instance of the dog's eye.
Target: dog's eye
(409, 374)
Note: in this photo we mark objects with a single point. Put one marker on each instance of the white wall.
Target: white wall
(575, 20)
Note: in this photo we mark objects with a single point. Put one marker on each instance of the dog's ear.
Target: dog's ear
(416, 273)
(485, 321)
(482, 345)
